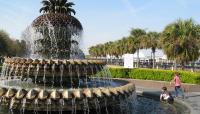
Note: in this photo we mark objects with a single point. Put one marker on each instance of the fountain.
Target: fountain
(55, 77)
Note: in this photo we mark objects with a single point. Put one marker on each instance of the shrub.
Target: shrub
(119, 72)
(154, 74)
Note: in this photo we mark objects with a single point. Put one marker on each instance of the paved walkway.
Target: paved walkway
(192, 99)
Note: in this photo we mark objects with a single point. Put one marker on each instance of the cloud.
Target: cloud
(129, 5)
(182, 3)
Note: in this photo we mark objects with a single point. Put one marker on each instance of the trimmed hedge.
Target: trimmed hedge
(154, 74)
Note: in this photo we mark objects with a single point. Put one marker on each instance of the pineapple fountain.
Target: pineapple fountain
(55, 77)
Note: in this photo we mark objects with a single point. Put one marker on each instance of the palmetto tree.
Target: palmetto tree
(151, 40)
(107, 48)
(116, 48)
(137, 35)
(130, 45)
(57, 6)
(93, 51)
(180, 41)
(121, 46)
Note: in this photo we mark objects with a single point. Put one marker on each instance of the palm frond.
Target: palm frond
(69, 4)
(46, 3)
(62, 2)
(44, 9)
(53, 2)
(70, 10)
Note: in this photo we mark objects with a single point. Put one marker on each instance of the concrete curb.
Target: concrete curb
(186, 105)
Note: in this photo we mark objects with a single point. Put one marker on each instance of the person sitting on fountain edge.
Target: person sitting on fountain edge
(166, 96)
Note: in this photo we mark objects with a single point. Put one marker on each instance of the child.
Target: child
(177, 84)
(166, 96)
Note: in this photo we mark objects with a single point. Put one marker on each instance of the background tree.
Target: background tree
(10, 47)
(180, 41)
(92, 51)
(4, 41)
(137, 35)
(20, 48)
(116, 48)
(151, 40)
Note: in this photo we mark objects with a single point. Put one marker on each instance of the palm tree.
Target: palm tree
(57, 6)
(137, 36)
(92, 51)
(122, 47)
(98, 50)
(180, 41)
(107, 48)
(151, 40)
(111, 49)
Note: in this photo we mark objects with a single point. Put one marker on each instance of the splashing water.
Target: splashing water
(74, 106)
(61, 75)
(44, 77)
(36, 107)
(86, 108)
(78, 75)
(61, 103)
(16, 71)
(97, 106)
(48, 105)
(60, 42)
(53, 74)
(23, 105)
(36, 73)
(11, 103)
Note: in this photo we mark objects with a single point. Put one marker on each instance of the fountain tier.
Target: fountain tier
(65, 72)
(54, 36)
(71, 84)
(15, 96)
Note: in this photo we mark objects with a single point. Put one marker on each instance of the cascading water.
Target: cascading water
(51, 41)
(53, 75)
(61, 75)
(36, 73)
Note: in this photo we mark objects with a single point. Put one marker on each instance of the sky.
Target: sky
(103, 20)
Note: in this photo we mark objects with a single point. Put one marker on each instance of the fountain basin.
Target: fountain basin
(64, 97)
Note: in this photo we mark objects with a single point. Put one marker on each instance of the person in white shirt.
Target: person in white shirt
(166, 96)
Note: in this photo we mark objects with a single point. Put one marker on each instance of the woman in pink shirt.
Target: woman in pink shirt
(177, 84)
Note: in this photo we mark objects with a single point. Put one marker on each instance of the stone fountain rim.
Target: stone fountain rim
(101, 92)
(19, 60)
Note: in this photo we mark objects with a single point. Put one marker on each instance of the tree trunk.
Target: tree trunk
(138, 58)
(182, 66)
(110, 60)
(153, 52)
(193, 66)
(154, 60)
(175, 64)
